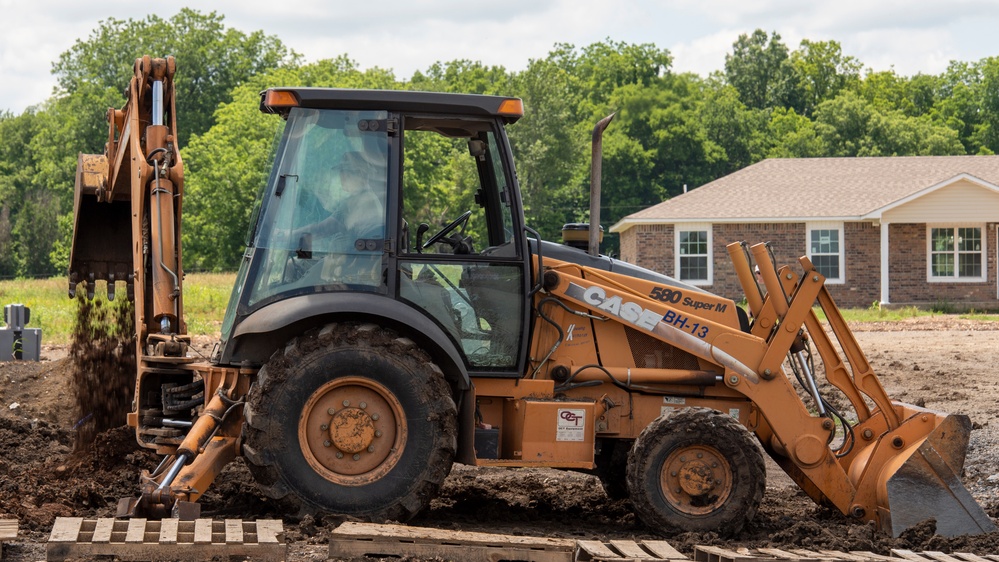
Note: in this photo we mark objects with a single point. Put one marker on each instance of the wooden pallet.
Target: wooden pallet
(934, 556)
(168, 539)
(369, 539)
(620, 551)
(716, 554)
(8, 532)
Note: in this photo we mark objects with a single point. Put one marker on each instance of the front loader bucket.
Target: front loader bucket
(922, 481)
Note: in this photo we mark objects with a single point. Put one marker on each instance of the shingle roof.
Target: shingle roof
(786, 188)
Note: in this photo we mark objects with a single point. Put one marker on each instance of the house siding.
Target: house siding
(908, 268)
(649, 246)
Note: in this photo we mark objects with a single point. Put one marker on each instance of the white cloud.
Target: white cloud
(407, 35)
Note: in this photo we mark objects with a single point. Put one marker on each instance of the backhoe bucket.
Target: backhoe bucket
(922, 480)
(102, 232)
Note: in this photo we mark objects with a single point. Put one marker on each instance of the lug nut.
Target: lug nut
(357, 457)
(371, 448)
(339, 455)
(363, 405)
(346, 403)
(374, 417)
(331, 411)
(324, 427)
(326, 443)
(378, 433)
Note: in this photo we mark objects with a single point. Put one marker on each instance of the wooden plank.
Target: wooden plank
(340, 548)
(630, 549)
(233, 531)
(940, 556)
(909, 555)
(716, 554)
(872, 556)
(203, 531)
(363, 539)
(969, 557)
(375, 531)
(840, 555)
(270, 531)
(8, 529)
(590, 550)
(785, 555)
(168, 531)
(805, 553)
(664, 550)
(136, 532)
(102, 532)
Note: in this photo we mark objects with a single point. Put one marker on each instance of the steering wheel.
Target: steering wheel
(442, 233)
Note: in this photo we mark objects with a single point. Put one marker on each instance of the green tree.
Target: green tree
(551, 145)
(824, 71)
(793, 136)
(760, 69)
(211, 61)
(852, 127)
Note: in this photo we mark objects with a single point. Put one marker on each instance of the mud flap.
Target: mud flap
(928, 485)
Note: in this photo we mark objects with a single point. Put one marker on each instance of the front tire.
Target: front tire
(696, 470)
(350, 420)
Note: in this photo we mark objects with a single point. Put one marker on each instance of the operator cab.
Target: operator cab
(407, 196)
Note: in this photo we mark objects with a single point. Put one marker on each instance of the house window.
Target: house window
(693, 254)
(956, 253)
(825, 250)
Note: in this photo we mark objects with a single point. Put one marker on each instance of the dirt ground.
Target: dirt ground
(942, 362)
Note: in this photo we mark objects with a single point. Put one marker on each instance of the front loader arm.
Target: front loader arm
(855, 473)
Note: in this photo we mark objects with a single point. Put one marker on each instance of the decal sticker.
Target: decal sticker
(684, 323)
(734, 412)
(679, 400)
(571, 425)
(628, 311)
(701, 305)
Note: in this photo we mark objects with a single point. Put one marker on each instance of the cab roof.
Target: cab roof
(281, 100)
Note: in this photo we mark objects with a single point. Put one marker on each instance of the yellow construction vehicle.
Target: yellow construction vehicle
(364, 351)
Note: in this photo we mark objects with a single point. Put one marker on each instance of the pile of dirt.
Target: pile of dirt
(949, 369)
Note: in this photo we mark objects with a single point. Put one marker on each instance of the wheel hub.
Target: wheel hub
(352, 431)
(696, 479)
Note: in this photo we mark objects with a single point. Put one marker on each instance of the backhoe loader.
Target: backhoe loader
(378, 332)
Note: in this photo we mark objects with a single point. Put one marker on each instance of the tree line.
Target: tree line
(672, 130)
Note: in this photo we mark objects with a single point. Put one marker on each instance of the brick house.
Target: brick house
(917, 230)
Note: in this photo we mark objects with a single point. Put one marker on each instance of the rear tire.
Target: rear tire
(350, 420)
(696, 470)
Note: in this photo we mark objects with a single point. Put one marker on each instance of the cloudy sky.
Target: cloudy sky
(406, 35)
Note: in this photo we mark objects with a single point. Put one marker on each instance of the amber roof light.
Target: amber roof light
(512, 107)
(280, 98)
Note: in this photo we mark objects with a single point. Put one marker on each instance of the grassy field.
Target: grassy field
(206, 296)
(205, 299)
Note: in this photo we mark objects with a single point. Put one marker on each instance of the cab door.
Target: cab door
(462, 258)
